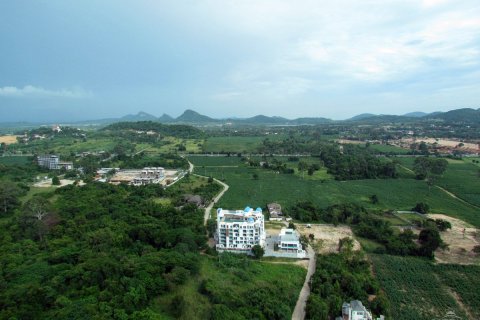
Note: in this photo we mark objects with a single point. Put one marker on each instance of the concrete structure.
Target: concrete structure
(355, 310)
(285, 245)
(53, 162)
(289, 240)
(275, 211)
(136, 177)
(149, 175)
(240, 230)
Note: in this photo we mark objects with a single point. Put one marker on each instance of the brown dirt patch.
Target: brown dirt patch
(460, 243)
(327, 236)
(8, 139)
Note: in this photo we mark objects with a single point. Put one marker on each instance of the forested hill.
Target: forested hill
(174, 130)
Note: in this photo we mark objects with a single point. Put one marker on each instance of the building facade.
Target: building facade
(240, 230)
(52, 162)
(289, 241)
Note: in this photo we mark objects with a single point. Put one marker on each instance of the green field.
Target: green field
(14, 160)
(461, 179)
(225, 290)
(418, 289)
(236, 144)
(383, 148)
(396, 194)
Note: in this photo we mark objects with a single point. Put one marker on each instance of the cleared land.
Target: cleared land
(8, 139)
(326, 236)
(461, 240)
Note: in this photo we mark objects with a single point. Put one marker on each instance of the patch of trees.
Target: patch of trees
(174, 130)
(355, 162)
(97, 251)
(426, 167)
(341, 278)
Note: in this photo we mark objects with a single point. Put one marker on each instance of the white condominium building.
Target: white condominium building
(239, 230)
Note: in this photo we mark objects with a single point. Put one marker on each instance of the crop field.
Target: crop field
(461, 178)
(418, 289)
(213, 161)
(247, 284)
(235, 144)
(396, 194)
(383, 148)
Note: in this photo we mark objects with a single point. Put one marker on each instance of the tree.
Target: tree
(374, 198)
(9, 193)
(55, 181)
(258, 251)
(430, 240)
(291, 225)
(255, 176)
(421, 207)
(302, 166)
(37, 207)
(316, 308)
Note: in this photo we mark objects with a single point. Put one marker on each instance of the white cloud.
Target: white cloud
(33, 91)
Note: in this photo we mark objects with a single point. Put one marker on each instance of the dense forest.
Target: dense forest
(95, 252)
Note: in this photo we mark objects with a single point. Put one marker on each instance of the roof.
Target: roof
(357, 305)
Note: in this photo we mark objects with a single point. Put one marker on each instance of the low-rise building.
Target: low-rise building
(53, 162)
(275, 211)
(240, 230)
(355, 310)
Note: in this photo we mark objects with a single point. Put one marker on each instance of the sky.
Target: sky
(77, 60)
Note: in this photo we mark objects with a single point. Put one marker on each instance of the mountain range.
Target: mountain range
(465, 115)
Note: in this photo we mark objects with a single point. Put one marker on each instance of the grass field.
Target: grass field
(396, 194)
(418, 289)
(232, 286)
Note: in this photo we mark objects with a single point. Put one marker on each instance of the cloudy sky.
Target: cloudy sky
(89, 59)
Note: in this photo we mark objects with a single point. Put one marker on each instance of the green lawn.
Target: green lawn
(396, 194)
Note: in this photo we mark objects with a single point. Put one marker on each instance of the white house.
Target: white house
(355, 310)
(239, 230)
(289, 241)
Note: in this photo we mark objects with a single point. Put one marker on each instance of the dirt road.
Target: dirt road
(299, 312)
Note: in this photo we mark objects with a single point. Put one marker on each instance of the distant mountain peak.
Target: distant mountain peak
(165, 118)
(140, 116)
(190, 115)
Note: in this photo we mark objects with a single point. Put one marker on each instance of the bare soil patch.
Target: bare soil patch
(327, 236)
(461, 240)
(8, 139)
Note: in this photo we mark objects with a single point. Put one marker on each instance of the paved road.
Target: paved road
(299, 312)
